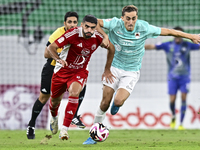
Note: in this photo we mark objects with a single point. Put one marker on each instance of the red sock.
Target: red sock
(70, 110)
(54, 110)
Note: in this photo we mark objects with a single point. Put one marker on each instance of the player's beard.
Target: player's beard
(87, 36)
(130, 28)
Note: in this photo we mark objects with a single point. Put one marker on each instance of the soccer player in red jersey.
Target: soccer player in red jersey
(70, 21)
(71, 72)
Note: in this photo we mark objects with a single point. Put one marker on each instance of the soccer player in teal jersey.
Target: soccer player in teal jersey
(178, 60)
(128, 35)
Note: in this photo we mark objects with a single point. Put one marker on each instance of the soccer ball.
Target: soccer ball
(99, 132)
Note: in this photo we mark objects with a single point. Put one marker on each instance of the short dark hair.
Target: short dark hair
(178, 28)
(90, 18)
(70, 14)
(129, 8)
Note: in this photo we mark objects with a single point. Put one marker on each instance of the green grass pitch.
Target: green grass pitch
(117, 140)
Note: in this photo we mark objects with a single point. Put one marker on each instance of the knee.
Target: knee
(118, 102)
(104, 105)
(55, 102)
(74, 93)
(43, 98)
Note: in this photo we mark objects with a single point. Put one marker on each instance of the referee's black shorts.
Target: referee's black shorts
(46, 76)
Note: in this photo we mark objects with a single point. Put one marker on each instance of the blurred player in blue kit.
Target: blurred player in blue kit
(128, 35)
(178, 60)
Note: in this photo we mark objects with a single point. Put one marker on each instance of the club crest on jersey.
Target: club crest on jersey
(93, 46)
(137, 35)
(85, 52)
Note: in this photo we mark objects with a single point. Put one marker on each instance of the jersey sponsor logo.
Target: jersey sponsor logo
(93, 46)
(75, 67)
(80, 45)
(129, 51)
(178, 62)
(137, 35)
(79, 60)
(125, 42)
(70, 112)
(60, 40)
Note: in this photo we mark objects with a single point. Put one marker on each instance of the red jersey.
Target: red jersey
(76, 49)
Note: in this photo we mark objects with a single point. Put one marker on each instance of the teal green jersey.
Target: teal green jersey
(129, 45)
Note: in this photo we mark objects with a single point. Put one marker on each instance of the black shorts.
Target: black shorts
(46, 76)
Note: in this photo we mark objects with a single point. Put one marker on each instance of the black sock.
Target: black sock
(37, 107)
(172, 108)
(182, 111)
(81, 96)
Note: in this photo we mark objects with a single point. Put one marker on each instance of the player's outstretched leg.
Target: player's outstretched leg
(114, 109)
(54, 125)
(76, 119)
(89, 141)
(37, 108)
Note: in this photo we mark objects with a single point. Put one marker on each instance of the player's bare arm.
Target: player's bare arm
(105, 43)
(195, 38)
(52, 49)
(107, 73)
(46, 53)
(149, 47)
